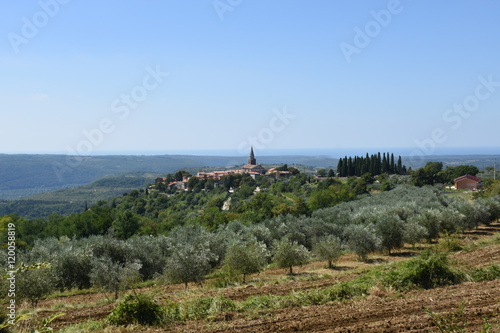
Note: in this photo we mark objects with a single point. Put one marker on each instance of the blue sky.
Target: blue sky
(273, 74)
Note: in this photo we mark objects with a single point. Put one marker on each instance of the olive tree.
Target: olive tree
(390, 230)
(362, 240)
(188, 263)
(289, 253)
(246, 257)
(34, 284)
(328, 248)
(414, 233)
(113, 276)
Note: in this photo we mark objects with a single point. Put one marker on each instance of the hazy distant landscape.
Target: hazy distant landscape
(36, 185)
(26, 175)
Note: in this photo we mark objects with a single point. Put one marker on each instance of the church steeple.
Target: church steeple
(251, 159)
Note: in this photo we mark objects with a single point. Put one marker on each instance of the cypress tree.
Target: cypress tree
(340, 168)
(393, 166)
(346, 167)
(379, 164)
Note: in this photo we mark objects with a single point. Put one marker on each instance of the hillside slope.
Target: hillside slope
(382, 310)
(73, 200)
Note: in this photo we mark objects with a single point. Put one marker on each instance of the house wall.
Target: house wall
(466, 184)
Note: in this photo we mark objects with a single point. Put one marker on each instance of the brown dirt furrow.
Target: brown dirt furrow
(72, 316)
(383, 315)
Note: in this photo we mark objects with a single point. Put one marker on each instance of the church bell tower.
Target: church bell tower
(251, 158)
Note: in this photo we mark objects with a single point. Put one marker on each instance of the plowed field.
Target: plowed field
(381, 311)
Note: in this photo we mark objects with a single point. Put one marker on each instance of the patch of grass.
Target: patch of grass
(205, 307)
(73, 292)
(60, 306)
(88, 326)
(451, 322)
(489, 273)
(260, 302)
(222, 278)
(146, 284)
(450, 243)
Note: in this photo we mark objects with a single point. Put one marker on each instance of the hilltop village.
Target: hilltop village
(357, 167)
(181, 179)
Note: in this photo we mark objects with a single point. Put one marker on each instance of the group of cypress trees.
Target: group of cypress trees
(375, 164)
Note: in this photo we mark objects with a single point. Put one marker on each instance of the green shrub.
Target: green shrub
(136, 309)
(428, 271)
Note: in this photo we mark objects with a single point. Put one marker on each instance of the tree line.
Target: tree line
(375, 164)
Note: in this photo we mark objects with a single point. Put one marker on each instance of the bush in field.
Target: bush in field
(361, 240)
(329, 248)
(390, 230)
(430, 270)
(246, 257)
(288, 254)
(34, 284)
(136, 309)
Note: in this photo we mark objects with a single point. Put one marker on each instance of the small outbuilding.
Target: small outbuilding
(468, 182)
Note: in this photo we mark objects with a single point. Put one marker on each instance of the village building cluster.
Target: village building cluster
(466, 182)
(251, 168)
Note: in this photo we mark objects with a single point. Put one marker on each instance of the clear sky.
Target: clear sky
(106, 76)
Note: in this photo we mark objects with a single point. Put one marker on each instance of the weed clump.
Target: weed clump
(206, 307)
(137, 309)
(489, 273)
(428, 271)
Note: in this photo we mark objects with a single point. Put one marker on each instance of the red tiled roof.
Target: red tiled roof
(456, 180)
